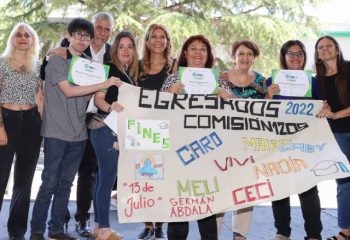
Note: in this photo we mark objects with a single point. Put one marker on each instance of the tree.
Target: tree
(269, 23)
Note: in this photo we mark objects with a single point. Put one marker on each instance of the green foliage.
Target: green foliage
(268, 23)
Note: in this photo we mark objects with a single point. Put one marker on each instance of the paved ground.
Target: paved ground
(261, 229)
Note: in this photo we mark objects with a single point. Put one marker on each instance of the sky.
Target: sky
(332, 11)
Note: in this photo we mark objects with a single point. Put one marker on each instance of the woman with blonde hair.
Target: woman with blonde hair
(21, 99)
(156, 65)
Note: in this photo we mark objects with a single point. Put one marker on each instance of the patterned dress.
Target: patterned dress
(256, 90)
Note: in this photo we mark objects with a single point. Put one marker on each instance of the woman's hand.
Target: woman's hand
(326, 112)
(224, 94)
(117, 107)
(272, 90)
(3, 136)
(325, 105)
(112, 81)
(177, 88)
(60, 51)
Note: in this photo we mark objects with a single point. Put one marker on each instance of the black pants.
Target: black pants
(311, 209)
(207, 229)
(24, 140)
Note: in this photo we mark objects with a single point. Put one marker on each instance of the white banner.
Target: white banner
(185, 157)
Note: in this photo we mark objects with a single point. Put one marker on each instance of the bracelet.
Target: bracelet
(109, 109)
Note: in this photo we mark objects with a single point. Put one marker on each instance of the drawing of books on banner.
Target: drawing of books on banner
(328, 167)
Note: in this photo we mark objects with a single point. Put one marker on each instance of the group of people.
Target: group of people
(36, 104)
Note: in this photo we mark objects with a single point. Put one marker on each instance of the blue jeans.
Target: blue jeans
(343, 184)
(102, 140)
(61, 163)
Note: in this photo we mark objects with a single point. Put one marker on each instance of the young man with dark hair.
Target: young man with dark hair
(99, 51)
(64, 132)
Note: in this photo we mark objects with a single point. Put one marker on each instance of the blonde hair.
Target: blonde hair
(146, 53)
(33, 52)
(134, 65)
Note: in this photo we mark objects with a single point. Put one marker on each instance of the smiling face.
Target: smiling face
(295, 58)
(196, 54)
(23, 40)
(157, 42)
(244, 57)
(125, 51)
(326, 49)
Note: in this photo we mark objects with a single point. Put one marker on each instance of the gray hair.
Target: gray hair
(103, 15)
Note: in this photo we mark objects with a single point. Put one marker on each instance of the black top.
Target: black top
(341, 125)
(112, 92)
(154, 81)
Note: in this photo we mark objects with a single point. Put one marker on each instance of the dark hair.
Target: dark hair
(247, 43)
(64, 43)
(133, 67)
(284, 50)
(341, 81)
(182, 59)
(80, 24)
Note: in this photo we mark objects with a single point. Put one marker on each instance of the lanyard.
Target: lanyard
(127, 76)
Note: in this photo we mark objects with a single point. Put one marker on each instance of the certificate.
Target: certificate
(84, 72)
(293, 83)
(199, 80)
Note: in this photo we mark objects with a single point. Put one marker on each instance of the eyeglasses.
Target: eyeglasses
(295, 54)
(80, 36)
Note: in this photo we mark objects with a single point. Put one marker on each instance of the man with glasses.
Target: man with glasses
(99, 51)
(64, 132)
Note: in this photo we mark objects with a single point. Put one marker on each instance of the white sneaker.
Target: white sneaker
(281, 237)
(114, 204)
(114, 201)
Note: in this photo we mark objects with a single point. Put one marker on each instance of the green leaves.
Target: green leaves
(269, 23)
